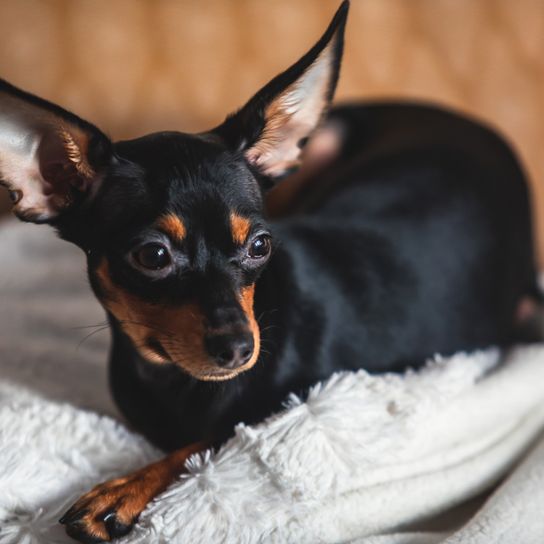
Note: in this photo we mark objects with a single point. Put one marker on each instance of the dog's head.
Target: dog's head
(172, 224)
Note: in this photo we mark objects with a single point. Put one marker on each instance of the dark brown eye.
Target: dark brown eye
(153, 256)
(259, 247)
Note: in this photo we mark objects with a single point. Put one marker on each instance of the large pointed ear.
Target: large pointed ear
(50, 160)
(273, 126)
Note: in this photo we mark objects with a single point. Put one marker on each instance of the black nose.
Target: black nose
(230, 350)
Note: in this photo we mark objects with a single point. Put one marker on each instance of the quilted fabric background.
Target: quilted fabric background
(140, 65)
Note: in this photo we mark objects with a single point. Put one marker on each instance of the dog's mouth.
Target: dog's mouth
(200, 367)
(156, 350)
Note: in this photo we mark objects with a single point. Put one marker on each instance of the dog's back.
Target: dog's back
(416, 241)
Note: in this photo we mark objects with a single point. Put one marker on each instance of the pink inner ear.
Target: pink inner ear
(43, 173)
(278, 150)
(59, 172)
(43, 155)
(59, 165)
(292, 116)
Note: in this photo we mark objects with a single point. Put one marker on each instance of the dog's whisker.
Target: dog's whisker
(270, 327)
(102, 324)
(147, 326)
(92, 333)
(266, 312)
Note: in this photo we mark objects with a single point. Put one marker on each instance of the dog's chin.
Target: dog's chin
(219, 374)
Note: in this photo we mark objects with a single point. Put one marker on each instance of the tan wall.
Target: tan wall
(138, 65)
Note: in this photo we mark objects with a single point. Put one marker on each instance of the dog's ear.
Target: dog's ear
(50, 160)
(273, 126)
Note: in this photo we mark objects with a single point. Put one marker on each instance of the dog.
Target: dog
(406, 232)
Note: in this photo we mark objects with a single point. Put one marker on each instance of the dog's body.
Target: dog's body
(413, 238)
(415, 241)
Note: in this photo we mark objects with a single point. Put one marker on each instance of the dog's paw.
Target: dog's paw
(109, 511)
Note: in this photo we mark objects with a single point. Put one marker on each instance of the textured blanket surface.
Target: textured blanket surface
(432, 456)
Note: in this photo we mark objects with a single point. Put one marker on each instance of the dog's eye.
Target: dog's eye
(153, 256)
(259, 247)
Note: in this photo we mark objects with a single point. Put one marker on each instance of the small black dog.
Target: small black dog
(413, 239)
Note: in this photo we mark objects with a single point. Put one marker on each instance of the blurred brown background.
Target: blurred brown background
(138, 65)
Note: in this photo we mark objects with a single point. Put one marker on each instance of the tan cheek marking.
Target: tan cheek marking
(247, 296)
(179, 330)
(239, 227)
(173, 226)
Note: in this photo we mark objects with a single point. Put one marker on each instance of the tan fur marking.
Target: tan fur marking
(246, 299)
(239, 227)
(179, 330)
(76, 154)
(173, 226)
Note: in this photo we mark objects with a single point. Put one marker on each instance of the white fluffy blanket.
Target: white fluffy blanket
(431, 456)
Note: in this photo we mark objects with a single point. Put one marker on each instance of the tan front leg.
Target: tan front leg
(110, 509)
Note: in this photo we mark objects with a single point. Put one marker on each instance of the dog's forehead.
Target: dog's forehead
(190, 171)
(185, 160)
(191, 187)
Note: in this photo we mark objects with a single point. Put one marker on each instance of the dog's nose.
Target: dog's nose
(230, 350)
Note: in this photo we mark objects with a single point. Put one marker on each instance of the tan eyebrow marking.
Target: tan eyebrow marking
(239, 227)
(173, 226)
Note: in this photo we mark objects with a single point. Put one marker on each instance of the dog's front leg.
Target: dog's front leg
(110, 509)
